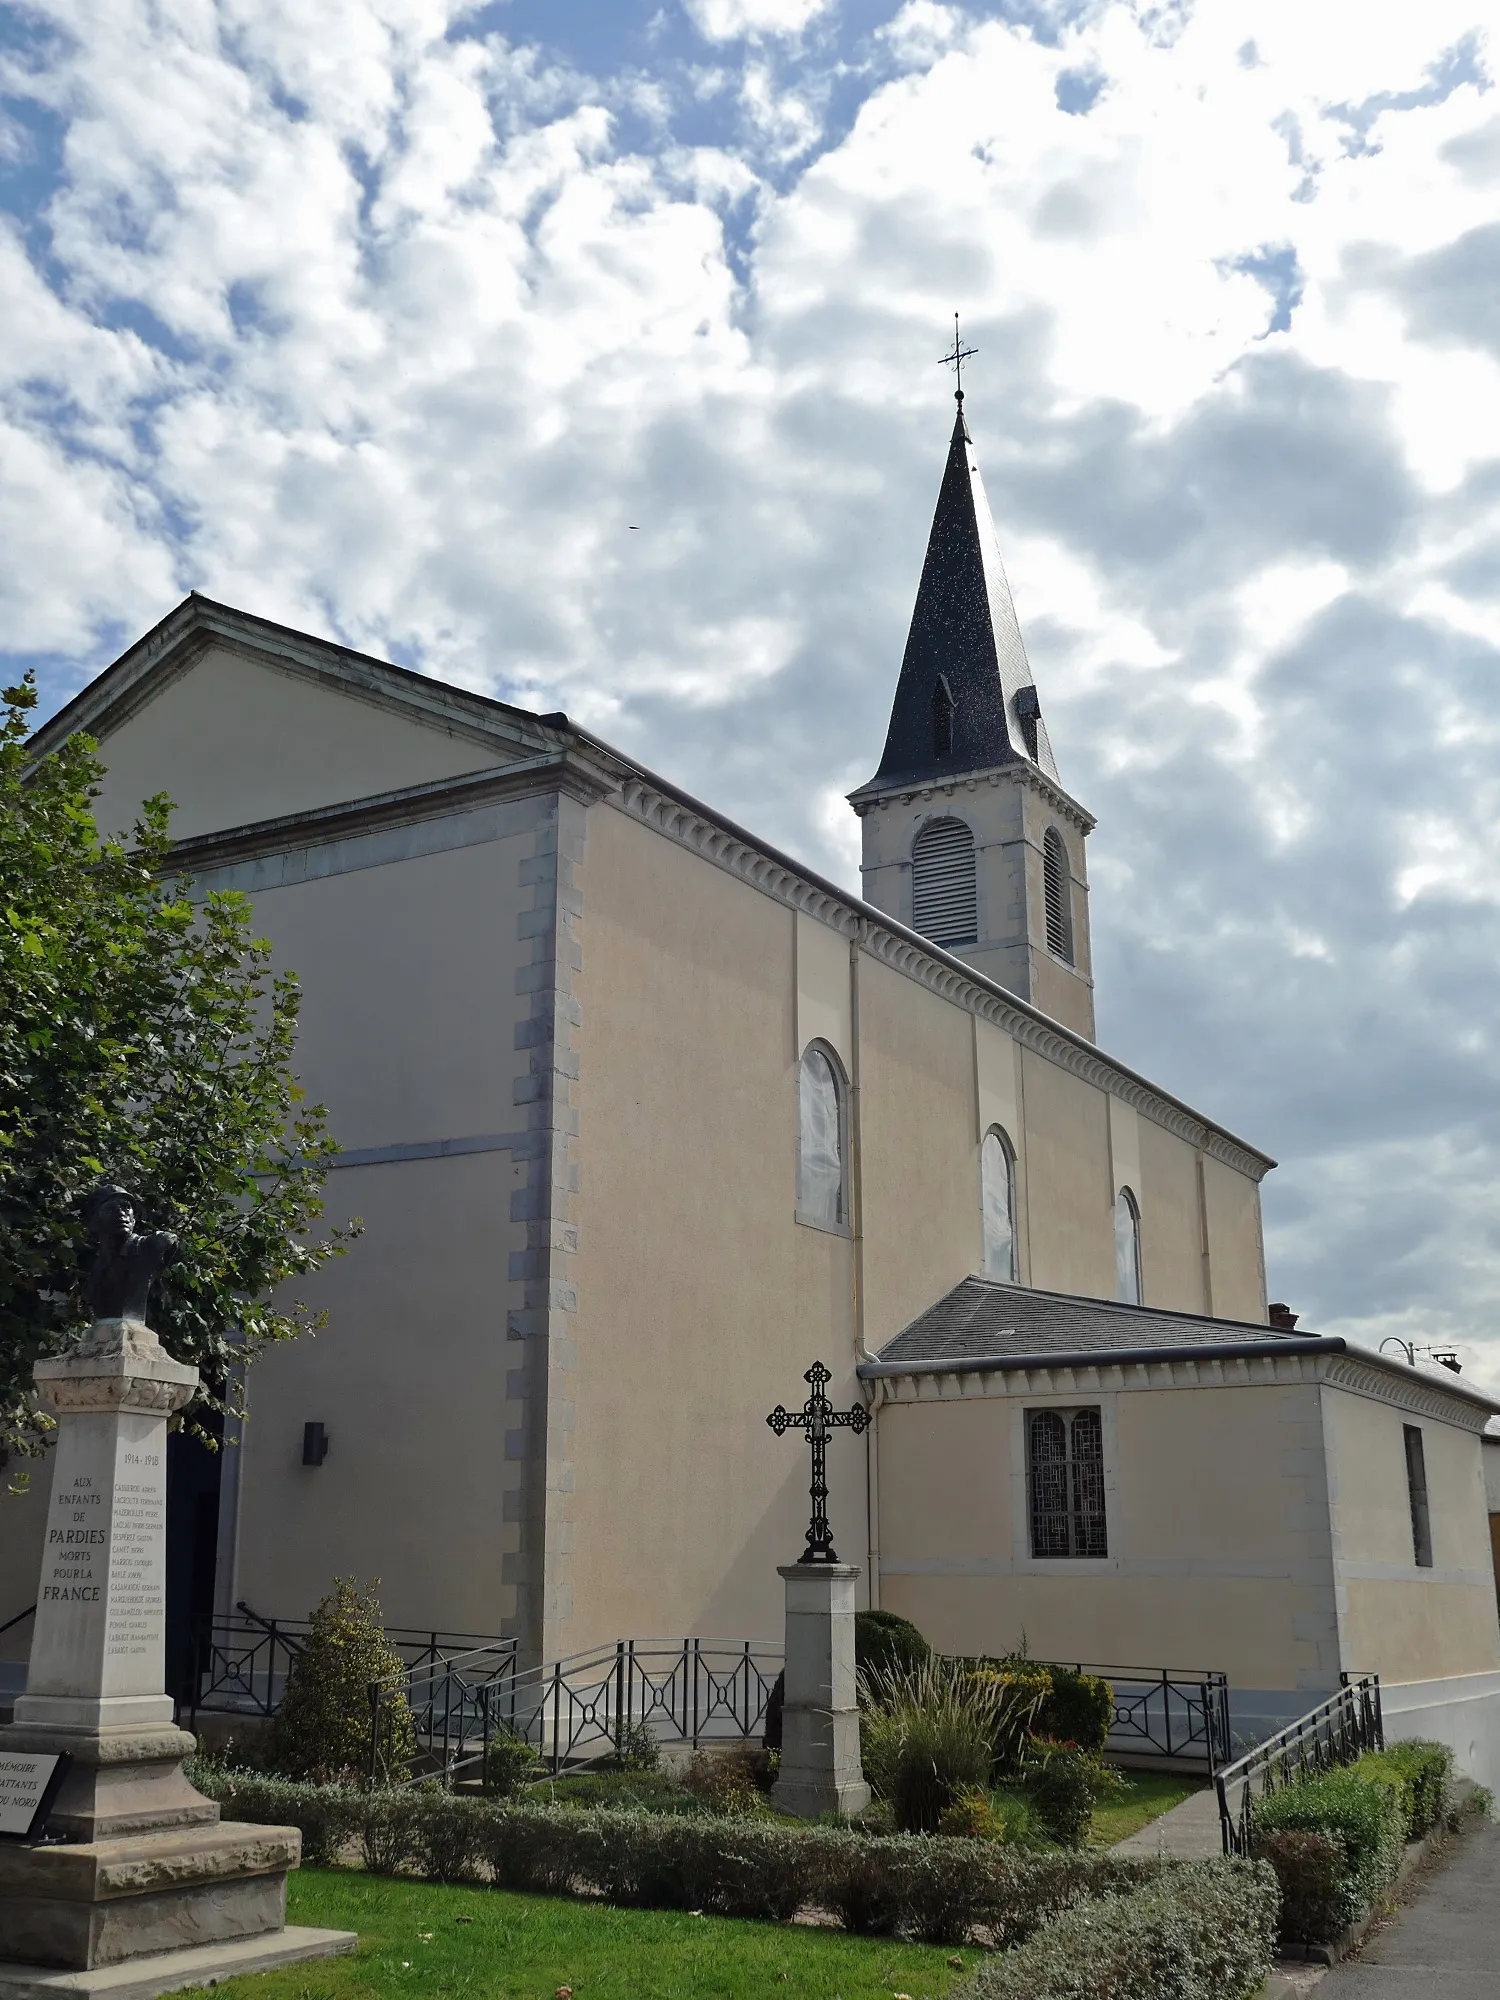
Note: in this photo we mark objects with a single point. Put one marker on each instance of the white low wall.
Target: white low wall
(1463, 1713)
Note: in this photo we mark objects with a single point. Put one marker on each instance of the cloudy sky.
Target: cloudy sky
(585, 352)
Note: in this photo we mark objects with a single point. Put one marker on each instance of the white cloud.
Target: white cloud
(378, 322)
(731, 20)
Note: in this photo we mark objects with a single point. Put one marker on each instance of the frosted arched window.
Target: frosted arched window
(1057, 895)
(1127, 1248)
(944, 890)
(820, 1141)
(997, 1180)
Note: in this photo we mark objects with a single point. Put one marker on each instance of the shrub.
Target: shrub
(972, 1816)
(638, 1748)
(1079, 1708)
(933, 1889)
(510, 1765)
(1363, 1814)
(925, 1734)
(1063, 1785)
(1425, 1772)
(885, 1642)
(1309, 1869)
(624, 1791)
(323, 1727)
(725, 1782)
(328, 1816)
(1204, 1930)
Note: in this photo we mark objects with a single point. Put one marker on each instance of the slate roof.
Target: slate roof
(982, 1320)
(964, 629)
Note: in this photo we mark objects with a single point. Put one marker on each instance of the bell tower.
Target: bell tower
(967, 833)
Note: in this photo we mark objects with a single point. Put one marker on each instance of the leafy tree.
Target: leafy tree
(144, 1039)
(324, 1725)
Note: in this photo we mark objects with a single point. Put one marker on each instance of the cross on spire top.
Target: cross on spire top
(955, 358)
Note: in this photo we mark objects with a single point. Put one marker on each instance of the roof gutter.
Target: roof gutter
(1000, 1364)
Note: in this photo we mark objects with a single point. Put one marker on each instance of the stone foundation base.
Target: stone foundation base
(101, 1903)
(170, 1971)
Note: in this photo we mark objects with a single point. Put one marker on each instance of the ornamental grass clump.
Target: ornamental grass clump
(929, 1732)
(324, 1727)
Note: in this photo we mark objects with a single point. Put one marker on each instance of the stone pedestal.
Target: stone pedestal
(142, 1871)
(820, 1768)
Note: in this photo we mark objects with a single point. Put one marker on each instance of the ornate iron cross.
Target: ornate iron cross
(818, 1417)
(955, 358)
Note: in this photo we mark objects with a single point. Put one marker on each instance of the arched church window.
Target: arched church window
(820, 1141)
(1055, 890)
(1127, 1248)
(943, 706)
(997, 1181)
(1065, 1477)
(944, 886)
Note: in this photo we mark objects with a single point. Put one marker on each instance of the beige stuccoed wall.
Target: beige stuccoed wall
(1239, 1579)
(407, 1033)
(920, 1153)
(1171, 1221)
(700, 1299)
(1070, 1226)
(1402, 1622)
(235, 740)
(1236, 1256)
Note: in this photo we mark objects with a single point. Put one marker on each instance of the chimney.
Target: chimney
(1282, 1318)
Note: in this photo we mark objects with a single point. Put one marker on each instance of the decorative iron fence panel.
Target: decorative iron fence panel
(1164, 1711)
(688, 1692)
(1337, 1731)
(241, 1663)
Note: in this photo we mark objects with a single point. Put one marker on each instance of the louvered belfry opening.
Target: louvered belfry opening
(944, 889)
(1055, 892)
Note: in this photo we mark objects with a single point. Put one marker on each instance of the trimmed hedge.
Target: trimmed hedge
(1336, 1841)
(937, 1890)
(1362, 1815)
(1206, 1930)
(1423, 1773)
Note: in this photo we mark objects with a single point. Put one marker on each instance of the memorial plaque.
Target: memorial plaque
(28, 1785)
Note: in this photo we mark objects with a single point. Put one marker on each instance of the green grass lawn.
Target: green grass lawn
(486, 1944)
(1147, 1795)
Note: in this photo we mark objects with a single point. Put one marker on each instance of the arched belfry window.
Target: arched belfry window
(997, 1181)
(1057, 896)
(944, 888)
(943, 706)
(821, 1195)
(1127, 1248)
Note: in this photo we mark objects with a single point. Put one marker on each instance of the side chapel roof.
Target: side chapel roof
(983, 1324)
(964, 648)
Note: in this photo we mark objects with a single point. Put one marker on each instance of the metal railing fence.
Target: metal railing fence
(241, 1663)
(1337, 1731)
(584, 1708)
(1181, 1713)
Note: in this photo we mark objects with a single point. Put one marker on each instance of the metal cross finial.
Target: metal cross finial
(955, 360)
(818, 1417)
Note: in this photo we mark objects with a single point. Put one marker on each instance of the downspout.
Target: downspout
(856, 1188)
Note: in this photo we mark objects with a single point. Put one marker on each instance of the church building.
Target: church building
(642, 1117)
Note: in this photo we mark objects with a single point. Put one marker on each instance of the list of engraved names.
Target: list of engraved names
(137, 1599)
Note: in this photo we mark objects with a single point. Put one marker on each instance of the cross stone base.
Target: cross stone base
(820, 1768)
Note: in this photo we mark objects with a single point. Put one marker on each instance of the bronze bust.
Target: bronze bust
(125, 1264)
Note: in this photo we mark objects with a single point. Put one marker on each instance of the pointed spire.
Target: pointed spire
(965, 700)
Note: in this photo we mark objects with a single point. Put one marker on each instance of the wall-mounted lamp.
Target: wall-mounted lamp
(314, 1444)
